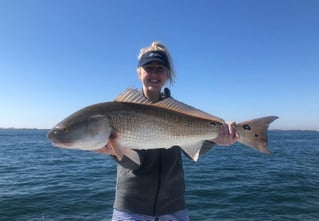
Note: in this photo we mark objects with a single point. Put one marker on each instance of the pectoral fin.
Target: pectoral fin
(133, 155)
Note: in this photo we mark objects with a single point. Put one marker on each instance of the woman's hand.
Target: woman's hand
(112, 148)
(227, 134)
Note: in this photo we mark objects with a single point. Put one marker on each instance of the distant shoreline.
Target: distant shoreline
(14, 128)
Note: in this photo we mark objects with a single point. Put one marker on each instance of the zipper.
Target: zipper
(158, 183)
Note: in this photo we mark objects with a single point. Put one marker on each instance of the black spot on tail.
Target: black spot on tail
(247, 127)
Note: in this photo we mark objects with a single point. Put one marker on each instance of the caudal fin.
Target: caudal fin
(253, 133)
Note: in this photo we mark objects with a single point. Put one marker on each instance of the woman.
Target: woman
(150, 183)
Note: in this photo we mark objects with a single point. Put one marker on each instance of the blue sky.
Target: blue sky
(236, 59)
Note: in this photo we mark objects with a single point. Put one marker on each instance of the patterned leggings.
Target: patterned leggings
(124, 216)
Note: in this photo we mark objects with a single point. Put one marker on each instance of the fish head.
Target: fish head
(81, 132)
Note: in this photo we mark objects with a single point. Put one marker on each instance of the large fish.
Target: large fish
(140, 124)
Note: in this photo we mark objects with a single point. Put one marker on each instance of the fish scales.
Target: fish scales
(142, 126)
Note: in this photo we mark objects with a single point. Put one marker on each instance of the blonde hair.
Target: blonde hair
(157, 46)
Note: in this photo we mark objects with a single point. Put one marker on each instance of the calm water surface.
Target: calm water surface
(40, 182)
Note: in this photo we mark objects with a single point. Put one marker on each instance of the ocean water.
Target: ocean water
(40, 182)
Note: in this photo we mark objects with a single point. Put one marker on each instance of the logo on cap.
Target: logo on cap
(154, 54)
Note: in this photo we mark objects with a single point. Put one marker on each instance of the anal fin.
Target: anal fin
(194, 150)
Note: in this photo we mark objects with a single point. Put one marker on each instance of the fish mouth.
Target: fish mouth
(54, 135)
(64, 145)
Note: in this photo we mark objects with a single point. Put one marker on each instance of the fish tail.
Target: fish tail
(253, 133)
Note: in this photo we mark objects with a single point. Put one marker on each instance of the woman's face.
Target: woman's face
(153, 76)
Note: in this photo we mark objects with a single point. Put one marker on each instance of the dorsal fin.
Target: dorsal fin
(135, 96)
(132, 95)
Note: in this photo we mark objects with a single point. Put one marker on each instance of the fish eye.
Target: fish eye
(61, 128)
